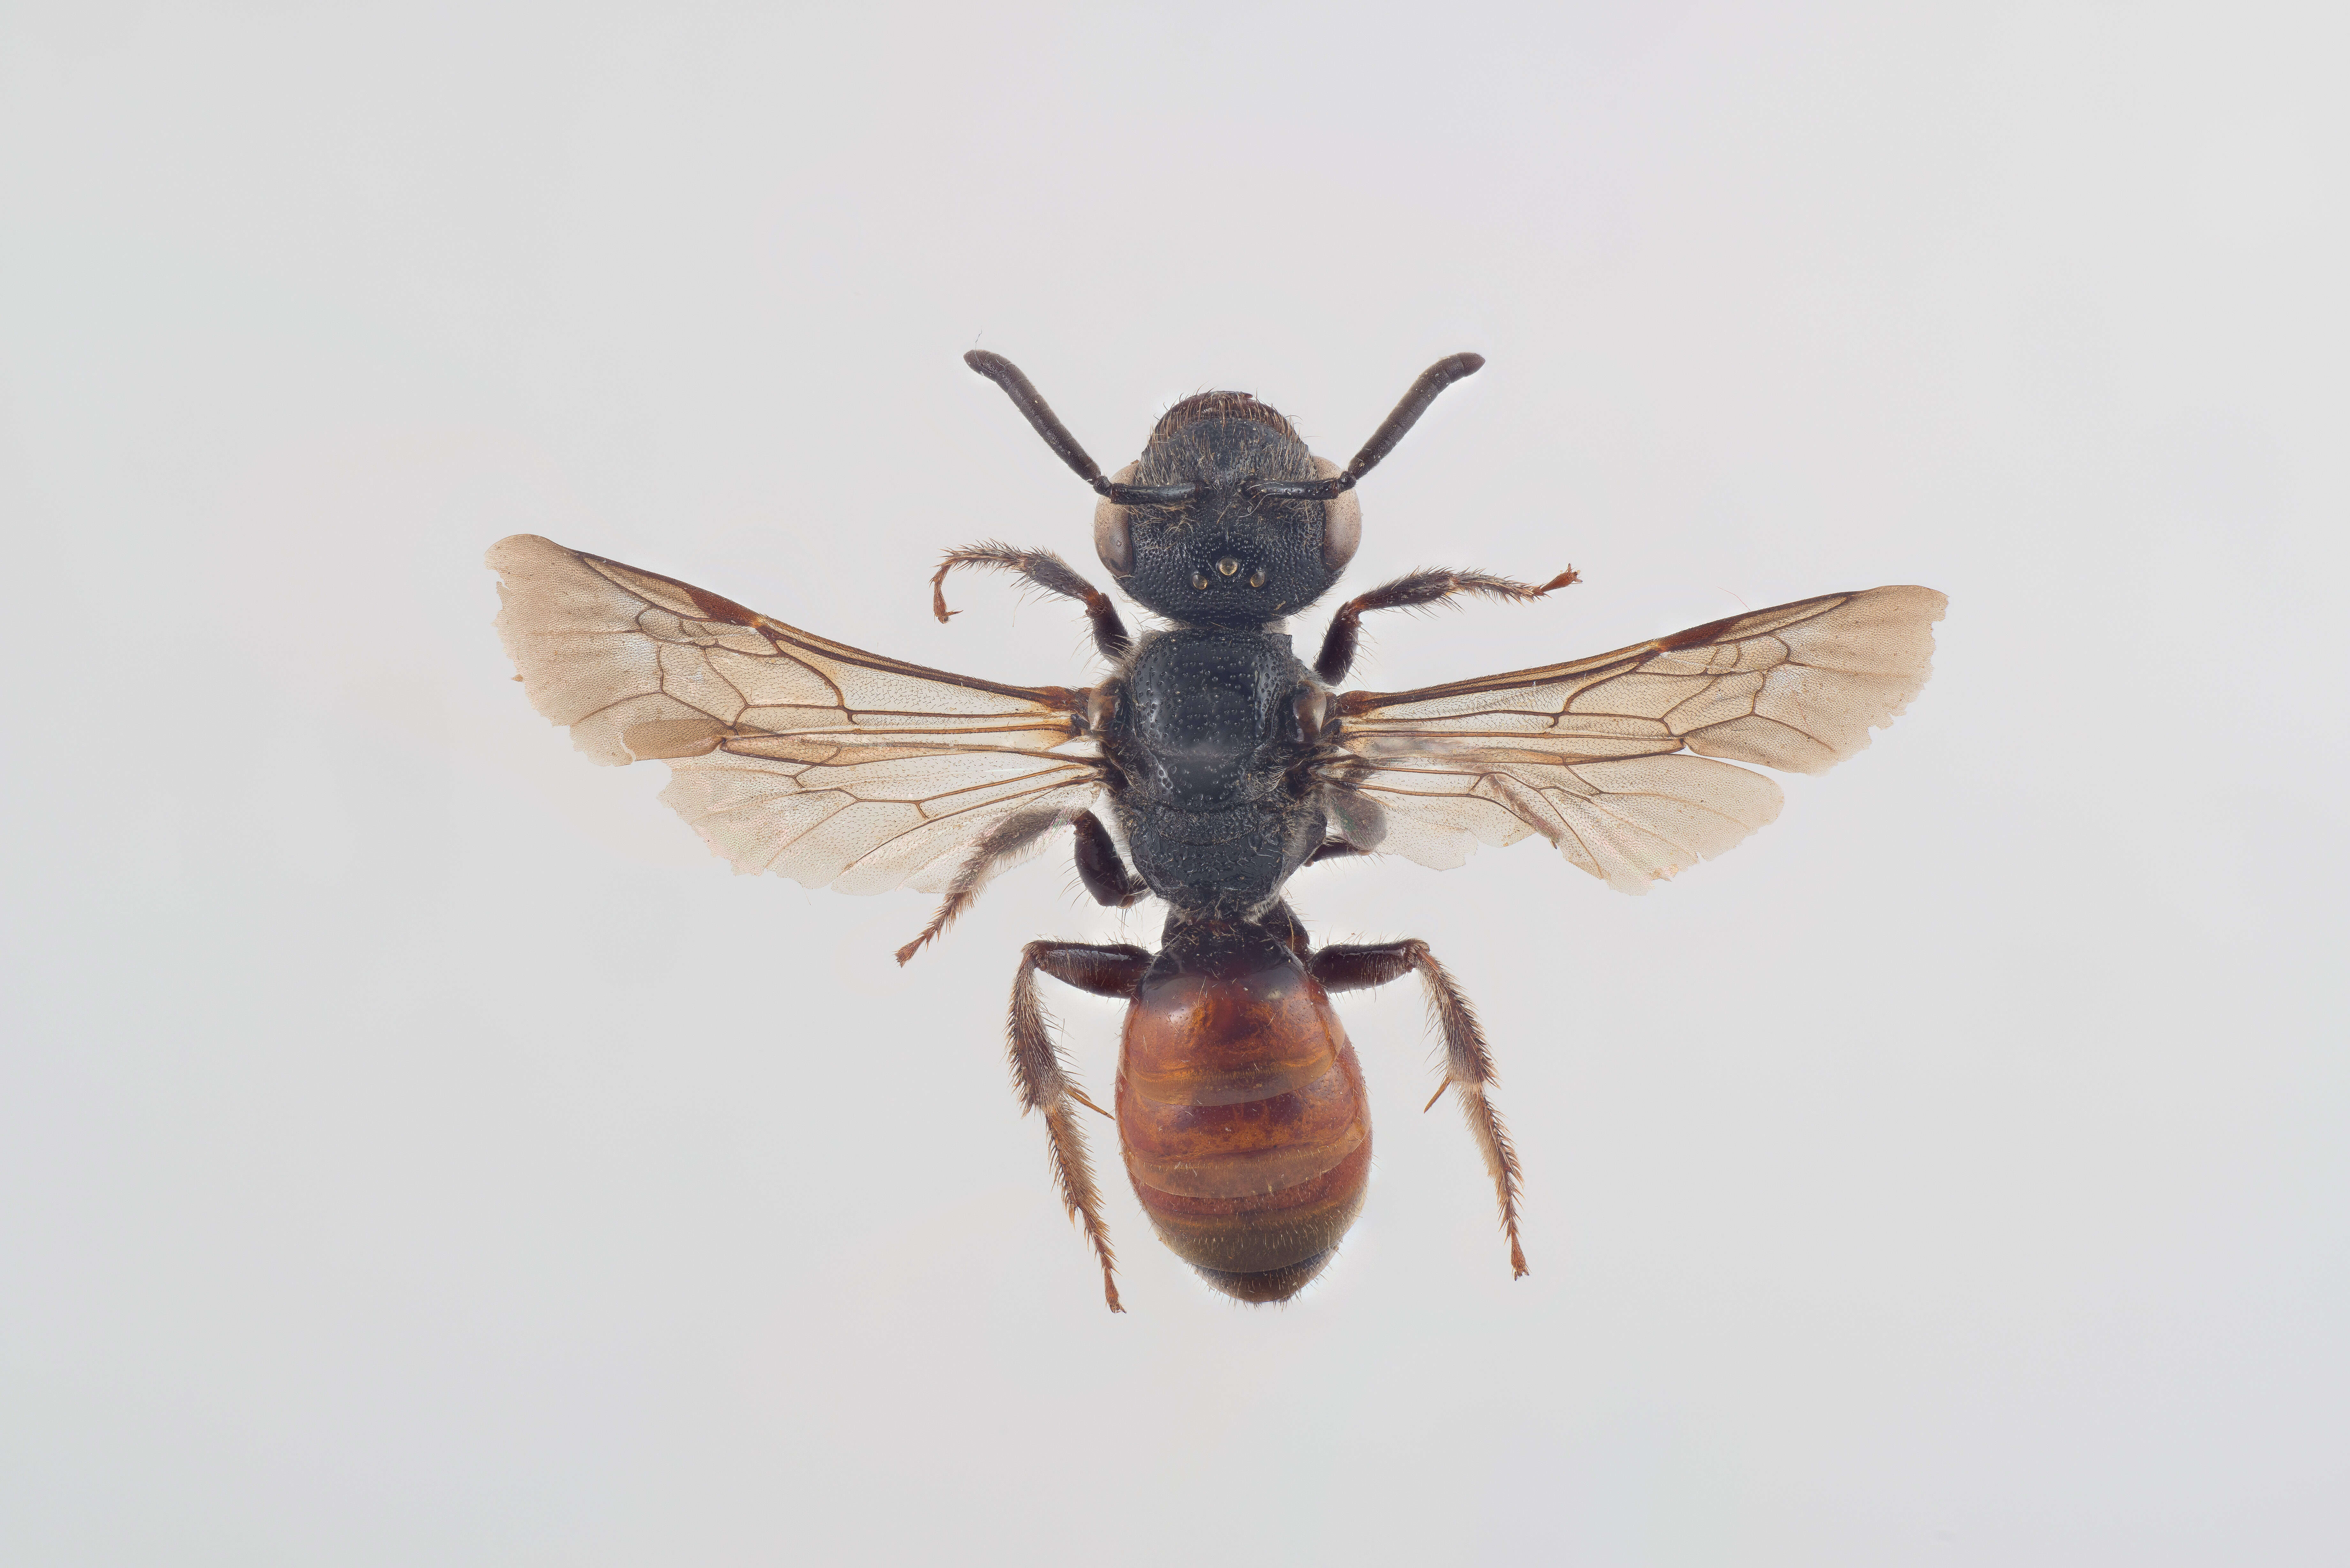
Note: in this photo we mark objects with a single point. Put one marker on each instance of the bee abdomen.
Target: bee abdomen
(1244, 1121)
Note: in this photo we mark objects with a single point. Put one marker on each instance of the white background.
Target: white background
(415, 1148)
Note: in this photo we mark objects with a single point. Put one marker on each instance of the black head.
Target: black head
(1226, 519)
(1226, 554)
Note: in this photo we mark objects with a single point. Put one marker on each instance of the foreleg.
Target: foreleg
(1408, 591)
(1041, 1078)
(1468, 1065)
(1048, 572)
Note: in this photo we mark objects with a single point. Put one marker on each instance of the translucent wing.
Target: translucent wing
(1593, 755)
(788, 752)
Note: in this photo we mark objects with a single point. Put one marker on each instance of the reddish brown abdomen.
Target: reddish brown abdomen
(1241, 1106)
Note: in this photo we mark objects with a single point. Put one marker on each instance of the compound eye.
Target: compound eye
(1113, 538)
(1342, 522)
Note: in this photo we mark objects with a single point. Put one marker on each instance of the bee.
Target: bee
(1224, 765)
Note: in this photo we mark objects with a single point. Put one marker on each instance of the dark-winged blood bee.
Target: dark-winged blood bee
(1227, 765)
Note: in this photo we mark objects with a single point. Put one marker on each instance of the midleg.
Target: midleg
(1042, 1076)
(1411, 590)
(1048, 572)
(1103, 869)
(994, 850)
(1468, 1065)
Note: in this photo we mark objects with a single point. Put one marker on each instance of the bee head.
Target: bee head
(1226, 552)
(1225, 519)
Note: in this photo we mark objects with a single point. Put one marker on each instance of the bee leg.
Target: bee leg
(1426, 586)
(1048, 572)
(1103, 869)
(1282, 921)
(1045, 1083)
(1331, 850)
(996, 848)
(1468, 1065)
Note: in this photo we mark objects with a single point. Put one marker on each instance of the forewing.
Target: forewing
(788, 752)
(1593, 754)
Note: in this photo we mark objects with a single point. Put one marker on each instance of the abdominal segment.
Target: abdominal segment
(1242, 1109)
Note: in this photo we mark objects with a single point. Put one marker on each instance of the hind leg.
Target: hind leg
(1468, 1065)
(1041, 1075)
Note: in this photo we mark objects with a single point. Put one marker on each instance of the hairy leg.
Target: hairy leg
(1048, 572)
(996, 848)
(1468, 1065)
(1041, 1078)
(1411, 590)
